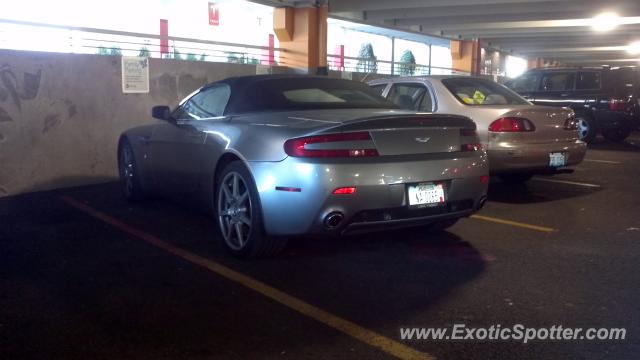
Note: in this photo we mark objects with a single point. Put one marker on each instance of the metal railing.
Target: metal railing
(23, 35)
(373, 65)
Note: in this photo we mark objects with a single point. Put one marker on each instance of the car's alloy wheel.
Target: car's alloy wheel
(586, 127)
(234, 210)
(131, 187)
(240, 214)
(583, 128)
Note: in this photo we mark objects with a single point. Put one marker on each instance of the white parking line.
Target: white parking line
(567, 182)
(603, 161)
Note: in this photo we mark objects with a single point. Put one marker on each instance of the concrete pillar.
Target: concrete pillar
(535, 63)
(302, 33)
(466, 55)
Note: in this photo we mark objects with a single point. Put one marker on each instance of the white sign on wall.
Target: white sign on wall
(135, 74)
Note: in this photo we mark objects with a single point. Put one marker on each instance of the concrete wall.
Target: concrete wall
(61, 114)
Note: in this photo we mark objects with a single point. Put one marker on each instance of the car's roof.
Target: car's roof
(424, 77)
(247, 80)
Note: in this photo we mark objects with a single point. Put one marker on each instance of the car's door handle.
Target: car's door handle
(564, 94)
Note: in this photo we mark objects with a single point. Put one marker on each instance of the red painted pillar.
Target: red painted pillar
(164, 37)
(341, 59)
(272, 55)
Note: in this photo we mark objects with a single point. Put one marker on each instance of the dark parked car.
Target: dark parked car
(605, 100)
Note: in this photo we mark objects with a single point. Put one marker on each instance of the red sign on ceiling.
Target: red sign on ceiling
(214, 14)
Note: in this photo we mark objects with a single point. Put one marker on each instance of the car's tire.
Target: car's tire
(587, 128)
(130, 181)
(617, 135)
(441, 225)
(515, 178)
(239, 215)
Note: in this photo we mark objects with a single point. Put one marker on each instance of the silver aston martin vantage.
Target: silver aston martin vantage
(276, 156)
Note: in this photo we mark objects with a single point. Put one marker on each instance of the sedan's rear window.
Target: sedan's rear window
(480, 92)
(304, 93)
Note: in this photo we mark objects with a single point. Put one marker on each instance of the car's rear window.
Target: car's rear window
(480, 92)
(283, 94)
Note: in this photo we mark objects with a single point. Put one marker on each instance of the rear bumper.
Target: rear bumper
(380, 201)
(510, 157)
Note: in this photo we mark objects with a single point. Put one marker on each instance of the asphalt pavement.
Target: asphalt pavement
(86, 275)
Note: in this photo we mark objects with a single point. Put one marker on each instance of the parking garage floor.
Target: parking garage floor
(86, 275)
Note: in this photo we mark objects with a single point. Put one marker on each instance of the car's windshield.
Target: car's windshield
(307, 94)
(479, 92)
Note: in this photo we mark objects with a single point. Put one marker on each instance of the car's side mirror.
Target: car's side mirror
(161, 112)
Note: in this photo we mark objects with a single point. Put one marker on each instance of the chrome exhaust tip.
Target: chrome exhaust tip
(481, 203)
(333, 220)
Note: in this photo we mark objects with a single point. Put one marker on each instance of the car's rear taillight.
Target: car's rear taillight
(571, 123)
(298, 147)
(471, 147)
(617, 104)
(345, 190)
(512, 124)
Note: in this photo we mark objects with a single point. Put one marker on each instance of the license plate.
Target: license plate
(426, 194)
(557, 159)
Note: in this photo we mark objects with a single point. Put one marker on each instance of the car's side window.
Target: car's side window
(588, 80)
(206, 104)
(525, 83)
(411, 97)
(558, 81)
(379, 88)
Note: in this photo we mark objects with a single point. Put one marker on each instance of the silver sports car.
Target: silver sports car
(521, 139)
(277, 156)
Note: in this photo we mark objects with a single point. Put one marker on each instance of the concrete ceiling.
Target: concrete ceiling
(556, 30)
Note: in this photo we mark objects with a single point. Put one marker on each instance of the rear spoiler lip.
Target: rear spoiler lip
(413, 121)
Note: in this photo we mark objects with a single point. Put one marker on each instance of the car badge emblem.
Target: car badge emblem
(423, 139)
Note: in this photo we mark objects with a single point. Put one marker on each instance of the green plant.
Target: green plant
(235, 58)
(176, 54)
(144, 52)
(407, 65)
(103, 51)
(203, 57)
(191, 57)
(115, 51)
(367, 62)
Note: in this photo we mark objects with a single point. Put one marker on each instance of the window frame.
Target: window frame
(571, 74)
(427, 88)
(599, 75)
(201, 91)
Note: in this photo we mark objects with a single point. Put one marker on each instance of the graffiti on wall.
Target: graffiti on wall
(15, 91)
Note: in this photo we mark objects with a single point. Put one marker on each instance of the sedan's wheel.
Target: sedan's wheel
(586, 128)
(128, 170)
(240, 217)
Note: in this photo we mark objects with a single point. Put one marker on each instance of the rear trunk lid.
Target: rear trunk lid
(549, 122)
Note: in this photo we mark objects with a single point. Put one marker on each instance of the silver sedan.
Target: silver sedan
(521, 139)
(278, 156)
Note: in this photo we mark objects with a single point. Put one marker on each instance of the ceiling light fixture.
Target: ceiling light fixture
(605, 21)
(634, 48)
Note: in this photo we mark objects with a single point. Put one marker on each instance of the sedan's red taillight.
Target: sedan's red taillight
(471, 147)
(512, 124)
(617, 104)
(298, 147)
(571, 124)
(345, 190)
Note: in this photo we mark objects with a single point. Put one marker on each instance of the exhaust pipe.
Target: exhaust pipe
(333, 220)
(481, 203)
